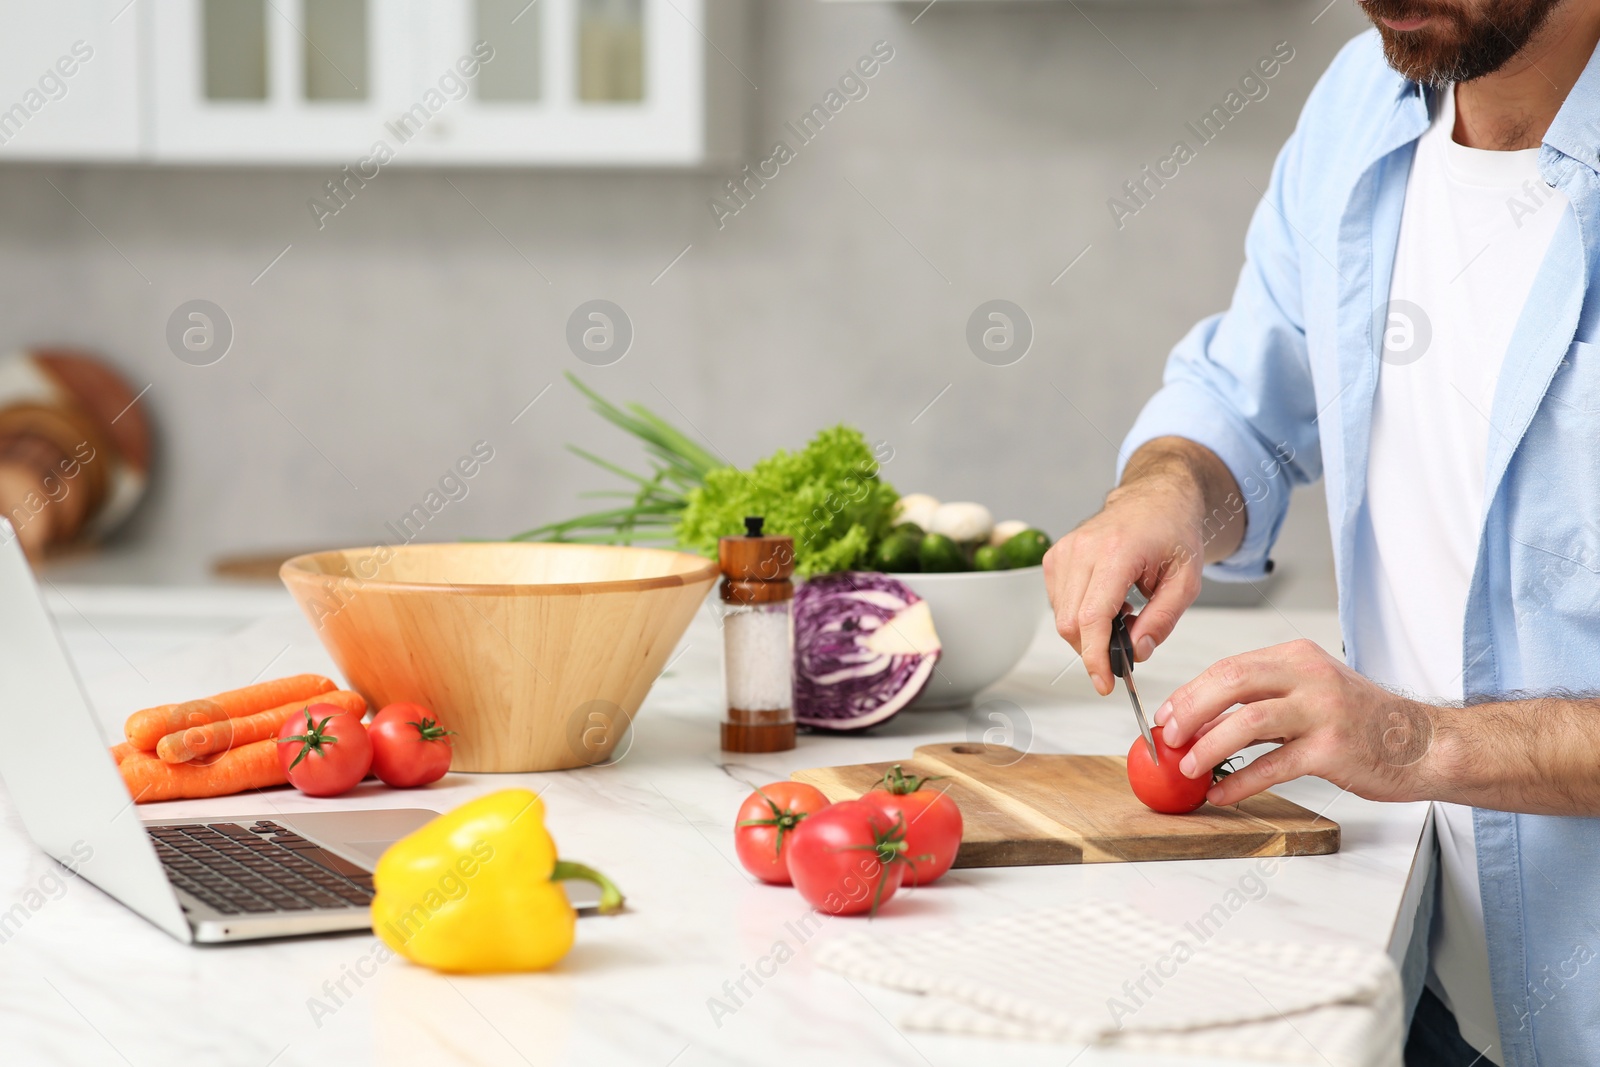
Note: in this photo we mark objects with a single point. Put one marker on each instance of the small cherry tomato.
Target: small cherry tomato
(932, 823)
(766, 823)
(847, 858)
(1162, 787)
(326, 752)
(409, 748)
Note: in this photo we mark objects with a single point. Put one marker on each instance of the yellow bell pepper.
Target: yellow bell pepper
(476, 889)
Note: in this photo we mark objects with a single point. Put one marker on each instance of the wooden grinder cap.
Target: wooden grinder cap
(757, 567)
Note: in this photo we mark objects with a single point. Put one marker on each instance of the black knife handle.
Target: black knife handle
(1121, 646)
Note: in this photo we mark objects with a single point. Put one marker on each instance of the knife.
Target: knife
(1122, 667)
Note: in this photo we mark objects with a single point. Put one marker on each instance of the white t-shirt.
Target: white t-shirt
(1474, 231)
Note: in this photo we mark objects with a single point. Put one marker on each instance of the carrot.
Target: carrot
(155, 723)
(146, 728)
(252, 766)
(123, 749)
(181, 746)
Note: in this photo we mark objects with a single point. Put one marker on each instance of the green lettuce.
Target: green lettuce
(827, 496)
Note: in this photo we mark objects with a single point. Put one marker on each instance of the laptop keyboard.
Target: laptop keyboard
(258, 868)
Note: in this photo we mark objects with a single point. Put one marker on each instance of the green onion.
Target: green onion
(678, 465)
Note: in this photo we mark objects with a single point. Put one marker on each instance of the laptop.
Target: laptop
(201, 880)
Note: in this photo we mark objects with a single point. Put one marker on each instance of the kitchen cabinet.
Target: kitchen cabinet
(269, 82)
(596, 82)
(70, 88)
(380, 82)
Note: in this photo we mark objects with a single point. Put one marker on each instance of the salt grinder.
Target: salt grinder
(757, 640)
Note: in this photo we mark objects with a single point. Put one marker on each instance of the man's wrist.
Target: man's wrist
(1436, 774)
(1189, 482)
(1172, 493)
(1167, 478)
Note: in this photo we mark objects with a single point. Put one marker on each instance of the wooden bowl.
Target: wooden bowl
(537, 655)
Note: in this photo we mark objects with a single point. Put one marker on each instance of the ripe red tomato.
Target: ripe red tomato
(409, 748)
(1163, 787)
(766, 823)
(325, 752)
(932, 823)
(847, 858)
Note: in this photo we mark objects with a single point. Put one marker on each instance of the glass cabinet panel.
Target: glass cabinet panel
(235, 43)
(591, 83)
(610, 50)
(336, 49)
(512, 29)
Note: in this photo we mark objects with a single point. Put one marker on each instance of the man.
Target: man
(1416, 323)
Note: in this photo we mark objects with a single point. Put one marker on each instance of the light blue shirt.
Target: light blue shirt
(1281, 387)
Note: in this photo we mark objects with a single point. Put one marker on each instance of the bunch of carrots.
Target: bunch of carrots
(221, 744)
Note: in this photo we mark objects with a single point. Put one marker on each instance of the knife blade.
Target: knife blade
(1122, 667)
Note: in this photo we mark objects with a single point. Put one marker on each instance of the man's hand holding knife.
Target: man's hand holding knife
(1178, 508)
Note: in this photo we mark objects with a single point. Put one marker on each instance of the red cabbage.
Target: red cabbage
(864, 648)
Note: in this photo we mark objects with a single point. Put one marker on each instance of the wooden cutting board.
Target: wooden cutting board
(1021, 810)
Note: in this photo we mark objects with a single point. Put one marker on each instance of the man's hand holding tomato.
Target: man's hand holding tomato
(1178, 507)
(1329, 721)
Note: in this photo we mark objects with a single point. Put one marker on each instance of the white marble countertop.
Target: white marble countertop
(84, 981)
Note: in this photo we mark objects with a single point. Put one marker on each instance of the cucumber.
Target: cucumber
(1025, 549)
(939, 553)
(898, 553)
(987, 558)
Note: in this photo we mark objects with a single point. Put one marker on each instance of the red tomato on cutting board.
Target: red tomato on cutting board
(1162, 786)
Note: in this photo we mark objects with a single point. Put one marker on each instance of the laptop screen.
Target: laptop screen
(54, 761)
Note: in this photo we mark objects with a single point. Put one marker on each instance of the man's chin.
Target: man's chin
(1445, 44)
(1413, 57)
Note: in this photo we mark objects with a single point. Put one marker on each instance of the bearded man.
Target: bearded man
(1416, 323)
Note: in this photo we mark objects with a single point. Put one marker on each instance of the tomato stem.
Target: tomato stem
(1223, 769)
(312, 740)
(783, 820)
(429, 729)
(899, 783)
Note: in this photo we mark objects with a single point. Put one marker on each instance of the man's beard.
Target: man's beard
(1463, 41)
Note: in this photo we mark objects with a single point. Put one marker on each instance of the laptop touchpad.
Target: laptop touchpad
(371, 851)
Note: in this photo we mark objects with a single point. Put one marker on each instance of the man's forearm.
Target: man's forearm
(1539, 756)
(1179, 465)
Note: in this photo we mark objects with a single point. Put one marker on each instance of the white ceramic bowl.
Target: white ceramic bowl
(986, 621)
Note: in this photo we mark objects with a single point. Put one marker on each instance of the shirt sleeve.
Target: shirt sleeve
(1240, 382)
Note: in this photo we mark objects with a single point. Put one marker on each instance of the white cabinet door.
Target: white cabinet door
(69, 80)
(564, 82)
(273, 81)
(367, 83)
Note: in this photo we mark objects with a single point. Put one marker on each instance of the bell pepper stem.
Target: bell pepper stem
(610, 896)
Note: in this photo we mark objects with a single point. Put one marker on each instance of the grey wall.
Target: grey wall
(411, 327)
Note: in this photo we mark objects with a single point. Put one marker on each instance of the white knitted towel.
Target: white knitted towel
(1108, 974)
